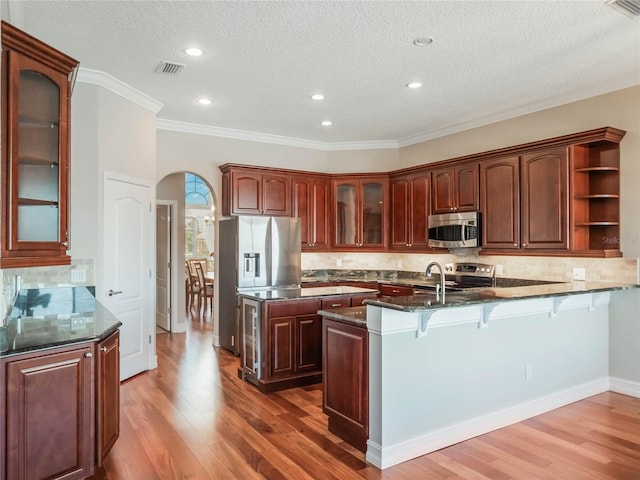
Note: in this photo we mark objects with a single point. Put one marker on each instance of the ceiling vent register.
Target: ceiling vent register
(169, 68)
(630, 8)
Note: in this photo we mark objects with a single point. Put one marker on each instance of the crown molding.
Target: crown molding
(102, 79)
(196, 129)
(621, 84)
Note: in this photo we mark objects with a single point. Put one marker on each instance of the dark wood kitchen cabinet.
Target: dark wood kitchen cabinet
(310, 199)
(108, 395)
(294, 332)
(60, 409)
(50, 415)
(360, 212)
(455, 188)
(595, 186)
(345, 398)
(410, 209)
(37, 81)
(255, 191)
(525, 201)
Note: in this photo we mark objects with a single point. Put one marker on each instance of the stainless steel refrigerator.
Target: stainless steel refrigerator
(254, 253)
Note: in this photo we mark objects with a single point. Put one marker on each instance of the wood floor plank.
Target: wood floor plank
(193, 418)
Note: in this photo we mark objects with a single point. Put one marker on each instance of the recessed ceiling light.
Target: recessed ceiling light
(423, 41)
(204, 101)
(317, 96)
(193, 52)
(414, 85)
(327, 123)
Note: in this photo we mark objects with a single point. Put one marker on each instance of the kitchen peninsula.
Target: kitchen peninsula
(439, 373)
(60, 383)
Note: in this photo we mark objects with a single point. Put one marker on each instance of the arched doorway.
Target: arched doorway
(194, 223)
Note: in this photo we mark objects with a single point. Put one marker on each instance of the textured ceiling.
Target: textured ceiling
(489, 60)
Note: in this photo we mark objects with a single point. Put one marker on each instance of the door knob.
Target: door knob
(111, 292)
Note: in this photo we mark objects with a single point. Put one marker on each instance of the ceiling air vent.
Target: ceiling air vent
(169, 68)
(631, 8)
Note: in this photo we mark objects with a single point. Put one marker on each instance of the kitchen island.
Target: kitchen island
(60, 383)
(281, 333)
(439, 373)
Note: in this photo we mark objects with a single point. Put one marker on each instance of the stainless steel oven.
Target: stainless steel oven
(454, 230)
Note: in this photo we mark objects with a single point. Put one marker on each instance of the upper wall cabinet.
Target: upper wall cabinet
(524, 201)
(310, 200)
(360, 212)
(554, 197)
(410, 208)
(455, 189)
(36, 92)
(255, 191)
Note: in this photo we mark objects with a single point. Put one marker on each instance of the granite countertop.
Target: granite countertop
(427, 300)
(52, 317)
(356, 316)
(297, 293)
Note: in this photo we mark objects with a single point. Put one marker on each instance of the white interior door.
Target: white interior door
(127, 269)
(163, 267)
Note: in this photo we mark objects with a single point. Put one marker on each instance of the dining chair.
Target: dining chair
(191, 289)
(205, 289)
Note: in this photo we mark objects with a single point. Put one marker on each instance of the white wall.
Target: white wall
(459, 381)
(108, 134)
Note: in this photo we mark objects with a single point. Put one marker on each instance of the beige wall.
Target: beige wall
(619, 109)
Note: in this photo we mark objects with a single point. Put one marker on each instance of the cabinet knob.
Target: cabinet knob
(103, 349)
(524, 245)
(515, 245)
(88, 355)
(64, 244)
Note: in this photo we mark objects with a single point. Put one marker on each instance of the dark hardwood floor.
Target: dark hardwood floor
(192, 418)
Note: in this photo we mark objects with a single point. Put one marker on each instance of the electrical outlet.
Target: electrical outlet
(338, 262)
(579, 274)
(78, 275)
(399, 263)
(498, 269)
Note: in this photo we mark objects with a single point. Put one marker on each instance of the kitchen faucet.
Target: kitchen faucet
(440, 286)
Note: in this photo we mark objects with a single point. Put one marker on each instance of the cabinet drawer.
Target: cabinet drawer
(293, 308)
(357, 300)
(395, 290)
(336, 302)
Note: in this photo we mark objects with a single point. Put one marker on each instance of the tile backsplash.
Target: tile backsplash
(79, 273)
(559, 269)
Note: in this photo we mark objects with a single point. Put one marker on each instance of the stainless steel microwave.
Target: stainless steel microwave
(454, 230)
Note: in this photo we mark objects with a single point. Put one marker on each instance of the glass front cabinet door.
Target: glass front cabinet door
(35, 157)
(360, 212)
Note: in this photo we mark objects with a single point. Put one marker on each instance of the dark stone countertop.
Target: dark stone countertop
(356, 316)
(428, 301)
(52, 317)
(300, 293)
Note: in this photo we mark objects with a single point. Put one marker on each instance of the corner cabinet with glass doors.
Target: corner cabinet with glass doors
(36, 92)
(360, 212)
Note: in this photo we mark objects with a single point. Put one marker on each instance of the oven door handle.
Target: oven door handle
(464, 231)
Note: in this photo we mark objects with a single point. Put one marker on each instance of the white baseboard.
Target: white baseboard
(626, 387)
(384, 457)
